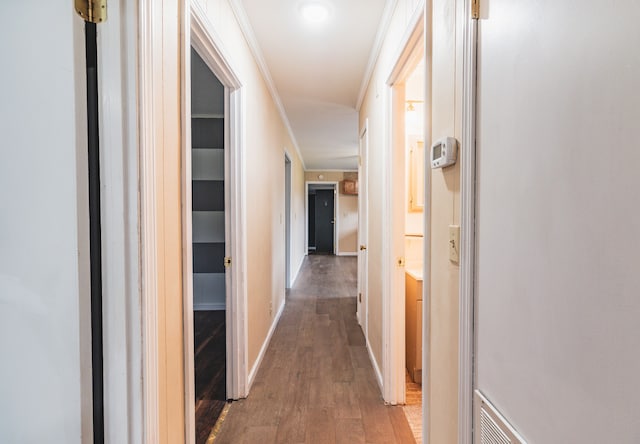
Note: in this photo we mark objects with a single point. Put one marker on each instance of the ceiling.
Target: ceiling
(317, 71)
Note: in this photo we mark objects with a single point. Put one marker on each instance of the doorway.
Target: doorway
(406, 268)
(321, 217)
(414, 112)
(363, 230)
(209, 234)
(324, 221)
(287, 220)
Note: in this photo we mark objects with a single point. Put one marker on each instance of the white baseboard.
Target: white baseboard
(205, 306)
(376, 369)
(295, 275)
(347, 253)
(265, 345)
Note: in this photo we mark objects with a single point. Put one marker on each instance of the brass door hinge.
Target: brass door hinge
(93, 11)
(227, 262)
(475, 9)
(400, 262)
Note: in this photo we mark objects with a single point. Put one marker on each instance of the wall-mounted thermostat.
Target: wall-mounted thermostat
(444, 152)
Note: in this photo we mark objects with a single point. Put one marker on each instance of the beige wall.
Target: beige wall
(347, 207)
(265, 144)
(443, 345)
(168, 142)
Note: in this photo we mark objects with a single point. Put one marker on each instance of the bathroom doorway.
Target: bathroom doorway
(414, 113)
(410, 116)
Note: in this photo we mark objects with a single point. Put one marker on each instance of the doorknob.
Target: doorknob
(333, 221)
(362, 248)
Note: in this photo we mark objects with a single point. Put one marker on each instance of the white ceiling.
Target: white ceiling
(318, 71)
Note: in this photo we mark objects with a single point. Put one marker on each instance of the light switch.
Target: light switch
(454, 243)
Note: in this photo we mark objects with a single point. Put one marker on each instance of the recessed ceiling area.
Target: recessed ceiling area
(317, 67)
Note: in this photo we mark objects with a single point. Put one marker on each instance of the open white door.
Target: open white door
(363, 210)
(44, 289)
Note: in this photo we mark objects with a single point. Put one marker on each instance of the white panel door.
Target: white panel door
(558, 220)
(44, 277)
(363, 214)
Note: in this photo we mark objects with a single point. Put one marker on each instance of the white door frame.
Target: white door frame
(336, 212)
(466, 335)
(209, 46)
(363, 230)
(287, 215)
(124, 407)
(393, 273)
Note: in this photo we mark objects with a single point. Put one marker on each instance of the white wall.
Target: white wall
(558, 218)
(44, 290)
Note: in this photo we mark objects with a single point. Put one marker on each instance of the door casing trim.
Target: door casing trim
(393, 308)
(203, 38)
(363, 219)
(466, 335)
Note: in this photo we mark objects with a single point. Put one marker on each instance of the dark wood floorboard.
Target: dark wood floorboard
(316, 383)
(210, 353)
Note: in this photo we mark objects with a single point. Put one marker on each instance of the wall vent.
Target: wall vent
(491, 427)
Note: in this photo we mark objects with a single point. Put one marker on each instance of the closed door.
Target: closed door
(362, 234)
(325, 221)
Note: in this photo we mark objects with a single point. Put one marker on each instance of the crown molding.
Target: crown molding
(247, 31)
(385, 21)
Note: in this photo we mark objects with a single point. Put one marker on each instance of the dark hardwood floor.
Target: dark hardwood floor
(316, 383)
(210, 366)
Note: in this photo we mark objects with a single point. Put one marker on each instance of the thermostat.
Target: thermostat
(444, 152)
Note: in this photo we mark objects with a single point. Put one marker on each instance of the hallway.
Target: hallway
(316, 383)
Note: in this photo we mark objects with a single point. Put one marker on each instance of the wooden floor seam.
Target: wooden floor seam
(316, 383)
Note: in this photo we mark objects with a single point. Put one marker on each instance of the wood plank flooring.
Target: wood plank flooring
(316, 383)
(413, 407)
(210, 353)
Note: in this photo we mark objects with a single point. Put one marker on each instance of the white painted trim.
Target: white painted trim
(150, 86)
(383, 27)
(408, 43)
(265, 345)
(247, 31)
(467, 161)
(294, 276)
(393, 307)
(336, 212)
(363, 222)
(348, 253)
(209, 46)
(206, 41)
(375, 366)
(426, 270)
(123, 354)
(237, 319)
(187, 230)
(288, 241)
(214, 306)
